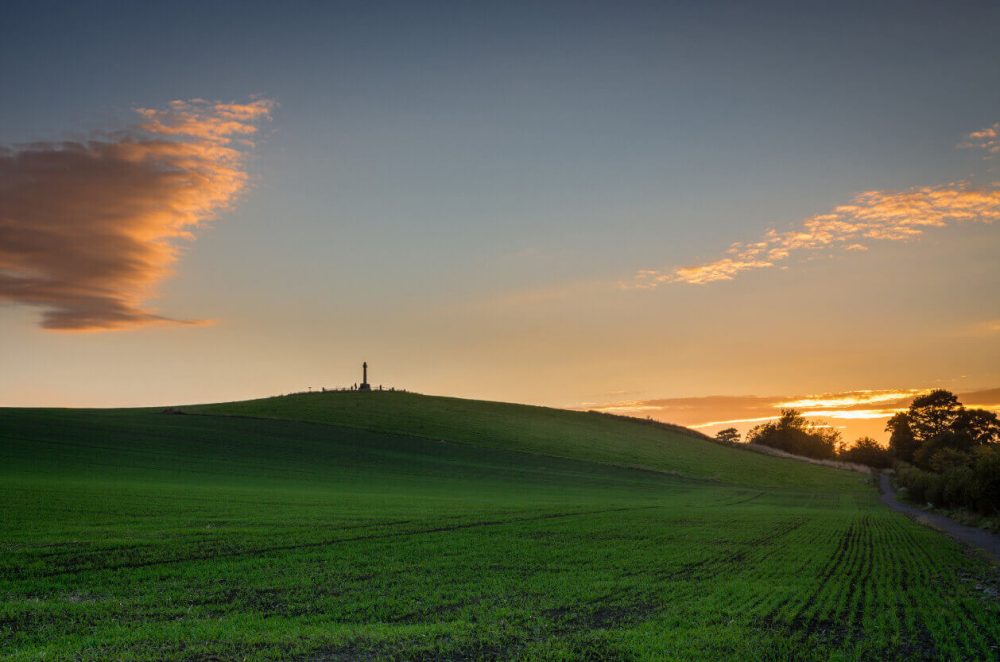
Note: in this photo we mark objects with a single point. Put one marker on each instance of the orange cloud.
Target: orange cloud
(848, 399)
(858, 412)
(987, 139)
(870, 216)
(87, 229)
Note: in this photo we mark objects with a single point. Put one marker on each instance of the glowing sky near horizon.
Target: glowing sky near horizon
(621, 206)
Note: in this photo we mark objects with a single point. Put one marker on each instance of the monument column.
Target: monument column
(364, 378)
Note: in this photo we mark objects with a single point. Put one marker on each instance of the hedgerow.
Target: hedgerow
(973, 486)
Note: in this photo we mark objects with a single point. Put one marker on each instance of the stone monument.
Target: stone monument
(365, 386)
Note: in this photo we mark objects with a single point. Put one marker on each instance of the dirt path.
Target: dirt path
(984, 540)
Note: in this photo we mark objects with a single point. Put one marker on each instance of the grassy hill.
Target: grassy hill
(137, 446)
(390, 525)
(588, 436)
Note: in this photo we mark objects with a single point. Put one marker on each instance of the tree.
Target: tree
(957, 453)
(949, 440)
(902, 443)
(946, 458)
(969, 429)
(980, 426)
(793, 434)
(728, 436)
(933, 413)
(866, 451)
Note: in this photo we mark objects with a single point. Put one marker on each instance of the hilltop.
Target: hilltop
(587, 436)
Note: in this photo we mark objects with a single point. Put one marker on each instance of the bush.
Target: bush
(957, 487)
(921, 485)
(985, 497)
(974, 486)
(951, 443)
(866, 451)
(947, 459)
(792, 434)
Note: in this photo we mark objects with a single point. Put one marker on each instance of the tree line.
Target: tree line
(943, 453)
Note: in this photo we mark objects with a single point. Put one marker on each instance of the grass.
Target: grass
(557, 432)
(130, 534)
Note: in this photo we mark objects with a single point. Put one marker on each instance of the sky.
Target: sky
(698, 212)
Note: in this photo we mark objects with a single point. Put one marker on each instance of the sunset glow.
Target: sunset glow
(637, 212)
(848, 399)
(851, 412)
(499, 330)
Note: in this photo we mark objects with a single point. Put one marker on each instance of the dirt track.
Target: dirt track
(980, 538)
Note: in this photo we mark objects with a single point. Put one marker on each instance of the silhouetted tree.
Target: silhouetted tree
(981, 426)
(969, 428)
(728, 436)
(957, 453)
(949, 440)
(902, 443)
(866, 451)
(933, 413)
(793, 434)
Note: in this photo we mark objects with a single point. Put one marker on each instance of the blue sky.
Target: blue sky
(430, 168)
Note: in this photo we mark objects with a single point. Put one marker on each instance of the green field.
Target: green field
(389, 525)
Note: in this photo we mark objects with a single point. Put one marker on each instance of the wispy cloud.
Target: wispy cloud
(987, 139)
(88, 228)
(854, 399)
(870, 216)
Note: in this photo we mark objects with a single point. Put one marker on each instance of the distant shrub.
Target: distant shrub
(792, 434)
(943, 451)
(986, 480)
(866, 451)
(729, 436)
(957, 487)
(916, 482)
(973, 486)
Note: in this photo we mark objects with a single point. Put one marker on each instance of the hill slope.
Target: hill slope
(132, 534)
(579, 435)
(145, 447)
